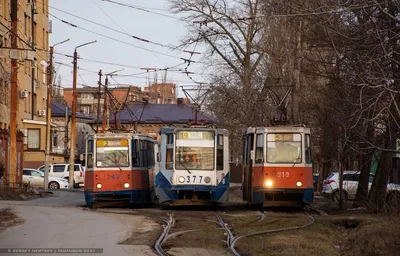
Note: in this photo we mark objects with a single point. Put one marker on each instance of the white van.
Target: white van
(62, 171)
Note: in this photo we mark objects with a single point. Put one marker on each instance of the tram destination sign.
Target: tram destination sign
(195, 135)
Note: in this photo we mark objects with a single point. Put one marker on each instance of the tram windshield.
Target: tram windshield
(112, 153)
(284, 148)
(195, 150)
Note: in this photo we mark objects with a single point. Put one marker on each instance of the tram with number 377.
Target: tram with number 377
(194, 166)
(120, 167)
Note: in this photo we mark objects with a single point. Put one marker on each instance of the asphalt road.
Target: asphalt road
(60, 222)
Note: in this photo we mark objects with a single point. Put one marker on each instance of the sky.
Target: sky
(120, 48)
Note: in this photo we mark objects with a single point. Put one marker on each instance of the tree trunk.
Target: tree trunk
(378, 190)
(366, 159)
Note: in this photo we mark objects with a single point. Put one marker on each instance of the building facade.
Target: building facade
(32, 55)
(61, 115)
(88, 103)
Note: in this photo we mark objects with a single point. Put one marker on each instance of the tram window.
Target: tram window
(249, 147)
(135, 154)
(89, 157)
(150, 153)
(143, 149)
(284, 148)
(170, 139)
(308, 149)
(260, 149)
(220, 152)
(169, 160)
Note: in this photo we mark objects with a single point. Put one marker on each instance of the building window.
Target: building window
(34, 139)
(2, 92)
(26, 23)
(44, 39)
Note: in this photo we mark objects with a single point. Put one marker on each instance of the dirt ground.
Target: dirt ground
(8, 218)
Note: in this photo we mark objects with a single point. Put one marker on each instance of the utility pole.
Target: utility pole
(98, 102)
(14, 95)
(48, 114)
(33, 34)
(73, 119)
(105, 99)
(105, 106)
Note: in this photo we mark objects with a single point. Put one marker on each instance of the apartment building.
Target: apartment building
(161, 93)
(34, 29)
(87, 97)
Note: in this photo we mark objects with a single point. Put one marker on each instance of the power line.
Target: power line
(105, 13)
(115, 30)
(141, 9)
(118, 64)
(108, 37)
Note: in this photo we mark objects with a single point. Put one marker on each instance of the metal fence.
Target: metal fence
(15, 187)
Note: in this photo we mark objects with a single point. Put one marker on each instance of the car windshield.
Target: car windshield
(194, 150)
(112, 153)
(284, 148)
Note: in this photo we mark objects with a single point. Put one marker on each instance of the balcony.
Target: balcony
(86, 101)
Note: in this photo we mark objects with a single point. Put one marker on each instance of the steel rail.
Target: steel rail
(161, 239)
(232, 245)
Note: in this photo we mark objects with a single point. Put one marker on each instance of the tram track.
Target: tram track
(232, 240)
(171, 222)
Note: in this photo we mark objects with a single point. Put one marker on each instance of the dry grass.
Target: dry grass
(8, 218)
(317, 239)
(208, 234)
(373, 238)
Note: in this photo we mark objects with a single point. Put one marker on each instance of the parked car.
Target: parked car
(36, 178)
(330, 187)
(62, 171)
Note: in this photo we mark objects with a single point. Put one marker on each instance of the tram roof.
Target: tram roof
(123, 135)
(300, 129)
(159, 114)
(172, 129)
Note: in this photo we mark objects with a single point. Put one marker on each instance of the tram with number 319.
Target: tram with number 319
(277, 166)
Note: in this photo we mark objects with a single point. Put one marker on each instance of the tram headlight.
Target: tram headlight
(268, 183)
(207, 179)
(126, 185)
(99, 185)
(299, 184)
(181, 179)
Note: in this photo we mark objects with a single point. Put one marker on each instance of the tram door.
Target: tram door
(248, 165)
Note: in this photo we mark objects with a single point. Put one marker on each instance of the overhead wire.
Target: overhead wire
(119, 64)
(141, 9)
(108, 37)
(110, 28)
(105, 13)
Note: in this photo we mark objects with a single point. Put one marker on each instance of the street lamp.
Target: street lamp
(73, 118)
(48, 114)
(105, 99)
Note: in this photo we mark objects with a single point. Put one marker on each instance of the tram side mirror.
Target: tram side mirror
(158, 157)
(252, 155)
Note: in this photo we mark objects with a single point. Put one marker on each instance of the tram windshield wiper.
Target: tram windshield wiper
(115, 162)
(187, 169)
